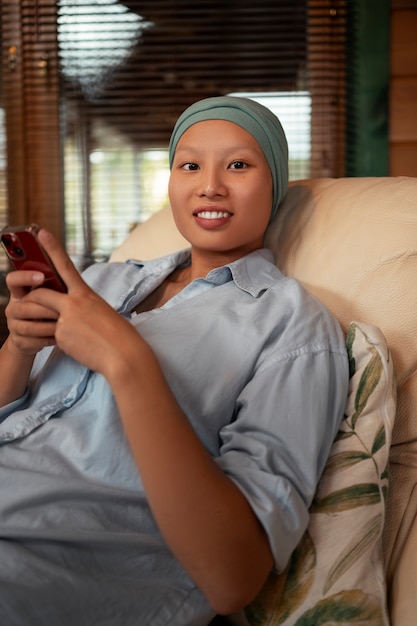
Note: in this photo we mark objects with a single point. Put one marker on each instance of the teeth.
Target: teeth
(213, 215)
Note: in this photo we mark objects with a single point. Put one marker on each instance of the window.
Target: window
(99, 84)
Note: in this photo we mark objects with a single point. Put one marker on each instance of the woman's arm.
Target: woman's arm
(202, 514)
(15, 368)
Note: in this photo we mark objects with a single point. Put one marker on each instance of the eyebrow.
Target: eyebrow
(231, 149)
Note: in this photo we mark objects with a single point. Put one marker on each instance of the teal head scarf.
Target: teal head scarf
(256, 119)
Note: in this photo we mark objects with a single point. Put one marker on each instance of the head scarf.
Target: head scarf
(256, 119)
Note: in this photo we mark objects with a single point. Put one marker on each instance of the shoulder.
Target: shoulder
(299, 318)
(109, 279)
(284, 319)
(114, 281)
(309, 323)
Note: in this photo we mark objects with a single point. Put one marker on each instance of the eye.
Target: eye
(190, 167)
(238, 165)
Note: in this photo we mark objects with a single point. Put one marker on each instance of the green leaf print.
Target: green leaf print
(368, 381)
(379, 439)
(385, 473)
(350, 338)
(284, 593)
(258, 613)
(344, 434)
(343, 460)
(362, 494)
(354, 551)
(346, 607)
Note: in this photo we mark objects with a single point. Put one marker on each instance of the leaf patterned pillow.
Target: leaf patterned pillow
(336, 573)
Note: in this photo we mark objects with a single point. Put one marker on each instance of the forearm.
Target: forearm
(15, 369)
(203, 516)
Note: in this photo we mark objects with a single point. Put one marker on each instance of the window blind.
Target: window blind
(30, 100)
(110, 78)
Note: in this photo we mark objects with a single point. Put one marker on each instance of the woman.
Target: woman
(161, 459)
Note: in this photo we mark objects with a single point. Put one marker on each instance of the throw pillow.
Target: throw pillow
(336, 573)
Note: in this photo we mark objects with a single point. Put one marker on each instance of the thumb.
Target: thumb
(62, 262)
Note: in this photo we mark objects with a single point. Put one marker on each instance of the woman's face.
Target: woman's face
(220, 189)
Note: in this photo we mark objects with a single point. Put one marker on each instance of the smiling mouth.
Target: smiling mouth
(213, 215)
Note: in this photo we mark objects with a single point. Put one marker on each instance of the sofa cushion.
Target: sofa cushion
(155, 237)
(336, 574)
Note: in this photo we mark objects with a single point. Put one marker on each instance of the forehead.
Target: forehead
(218, 133)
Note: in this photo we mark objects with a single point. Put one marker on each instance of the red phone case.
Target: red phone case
(26, 253)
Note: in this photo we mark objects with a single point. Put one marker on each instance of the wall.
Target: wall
(403, 88)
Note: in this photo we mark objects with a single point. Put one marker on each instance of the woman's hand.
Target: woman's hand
(79, 322)
(31, 325)
(84, 326)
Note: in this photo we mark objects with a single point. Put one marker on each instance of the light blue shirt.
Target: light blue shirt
(260, 369)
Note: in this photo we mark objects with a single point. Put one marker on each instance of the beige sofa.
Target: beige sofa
(353, 243)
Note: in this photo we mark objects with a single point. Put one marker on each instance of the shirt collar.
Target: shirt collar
(253, 273)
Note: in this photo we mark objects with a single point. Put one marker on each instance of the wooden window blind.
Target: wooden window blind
(30, 102)
(98, 84)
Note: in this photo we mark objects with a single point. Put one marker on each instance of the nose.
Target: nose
(212, 182)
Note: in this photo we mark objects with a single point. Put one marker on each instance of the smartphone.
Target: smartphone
(26, 253)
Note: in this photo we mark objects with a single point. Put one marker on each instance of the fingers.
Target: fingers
(30, 345)
(60, 259)
(25, 309)
(22, 286)
(20, 283)
(31, 327)
(31, 313)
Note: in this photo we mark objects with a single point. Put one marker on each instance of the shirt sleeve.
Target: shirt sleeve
(275, 450)
(22, 402)
(8, 409)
